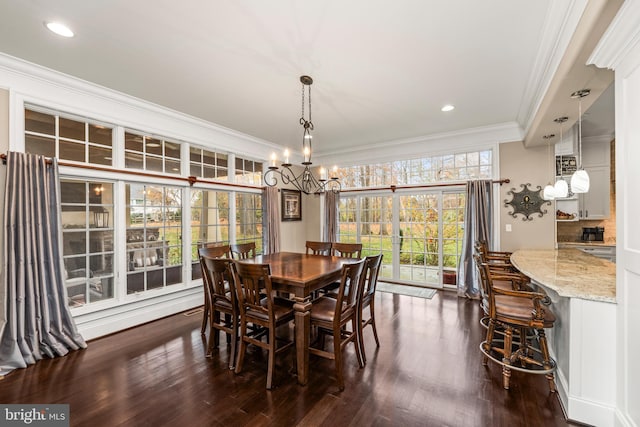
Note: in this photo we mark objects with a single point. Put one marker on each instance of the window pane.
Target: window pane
(133, 161)
(72, 151)
(100, 135)
(40, 145)
(153, 146)
(132, 142)
(39, 122)
(72, 129)
(100, 156)
(172, 150)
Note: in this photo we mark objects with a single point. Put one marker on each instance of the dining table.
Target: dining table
(300, 275)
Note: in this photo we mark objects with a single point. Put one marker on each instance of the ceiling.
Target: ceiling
(382, 70)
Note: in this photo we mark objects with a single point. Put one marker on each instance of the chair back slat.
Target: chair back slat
(215, 250)
(216, 273)
(349, 286)
(243, 250)
(370, 275)
(318, 248)
(346, 250)
(253, 282)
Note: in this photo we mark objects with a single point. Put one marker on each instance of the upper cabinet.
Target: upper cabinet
(596, 160)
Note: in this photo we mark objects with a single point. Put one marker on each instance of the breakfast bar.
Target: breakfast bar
(582, 290)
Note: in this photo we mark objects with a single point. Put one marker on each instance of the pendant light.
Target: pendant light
(561, 188)
(549, 192)
(580, 178)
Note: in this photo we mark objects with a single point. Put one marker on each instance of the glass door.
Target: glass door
(419, 233)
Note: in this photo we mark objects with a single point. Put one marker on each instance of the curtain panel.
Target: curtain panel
(271, 221)
(331, 204)
(38, 319)
(478, 220)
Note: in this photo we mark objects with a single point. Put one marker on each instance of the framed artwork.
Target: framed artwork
(291, 205)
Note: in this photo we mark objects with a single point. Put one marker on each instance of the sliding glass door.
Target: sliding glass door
(419, 233)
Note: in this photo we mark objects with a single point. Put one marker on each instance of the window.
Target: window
(427, 170)
(209, 223)
(154, 236)
(67, 138)
(87, 236)
(249, 219)
(151, 154)
(208, 164)
(248, 171)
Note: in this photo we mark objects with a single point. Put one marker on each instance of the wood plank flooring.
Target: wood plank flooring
(427, 372)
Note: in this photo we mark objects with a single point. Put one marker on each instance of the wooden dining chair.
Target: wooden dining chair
(223, 305)
(259, 307)
(213, 250)
(331, 315)
(522, 317)
(366, 298)
(318, 248)
(346, 250)
(243, 250)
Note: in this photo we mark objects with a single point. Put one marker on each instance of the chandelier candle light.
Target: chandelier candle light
(306, 182)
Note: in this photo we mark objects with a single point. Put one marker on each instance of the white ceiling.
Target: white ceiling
(382, 70)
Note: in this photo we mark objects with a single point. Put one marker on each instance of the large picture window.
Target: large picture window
(87, 236)
(209, 223)
(154, 236)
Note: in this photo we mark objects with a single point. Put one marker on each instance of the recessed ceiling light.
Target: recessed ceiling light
(59, 29)
(447, 107)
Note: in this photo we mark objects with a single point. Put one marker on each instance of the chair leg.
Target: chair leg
(360, 338)
(487, 345)
(234, 344)
(357, 338)
(272, 356)
(205, 315)
(337, 354)
(227, 321)
(542, 340)
(242, 349)
(373, 321)
(216, 335)
(506, 360)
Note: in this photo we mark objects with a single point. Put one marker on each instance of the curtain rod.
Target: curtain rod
(393, 188)
(191, 179)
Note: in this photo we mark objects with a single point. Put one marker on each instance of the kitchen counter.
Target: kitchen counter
(582, 290)
(569, 272)
(585, 243)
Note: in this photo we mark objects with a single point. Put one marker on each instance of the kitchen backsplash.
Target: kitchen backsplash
(572, 231)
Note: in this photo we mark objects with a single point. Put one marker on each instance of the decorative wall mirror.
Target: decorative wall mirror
(526, 202)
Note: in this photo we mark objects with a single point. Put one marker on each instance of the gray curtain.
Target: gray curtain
(38, 320)
(271, 217)
(477, 226)
(331, 203)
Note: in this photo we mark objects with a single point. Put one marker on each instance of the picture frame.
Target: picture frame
(291, 205)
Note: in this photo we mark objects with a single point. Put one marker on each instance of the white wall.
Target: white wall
(619, 50)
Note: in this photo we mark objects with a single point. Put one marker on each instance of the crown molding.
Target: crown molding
(619, 39)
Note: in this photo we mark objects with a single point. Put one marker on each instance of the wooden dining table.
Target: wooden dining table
(300, 275)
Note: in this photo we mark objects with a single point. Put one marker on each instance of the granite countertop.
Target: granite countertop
(570, 273)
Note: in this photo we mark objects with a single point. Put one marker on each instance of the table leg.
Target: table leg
(302, 320)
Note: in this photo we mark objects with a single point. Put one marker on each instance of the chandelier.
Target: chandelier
(306, 182)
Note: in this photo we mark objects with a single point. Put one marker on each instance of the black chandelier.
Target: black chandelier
(306, 182)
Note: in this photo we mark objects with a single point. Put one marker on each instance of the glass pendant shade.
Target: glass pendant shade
(561, 188)
(580, 181)
(549, 192)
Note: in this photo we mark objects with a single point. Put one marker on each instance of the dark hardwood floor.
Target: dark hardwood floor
(427, 372)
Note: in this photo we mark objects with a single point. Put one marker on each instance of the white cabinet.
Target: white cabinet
(595, 203)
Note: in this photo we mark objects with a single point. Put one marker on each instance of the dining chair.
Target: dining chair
(214, 250)
(259, 307)
(346, 250)
(331, 315)
(366, 298)
(318, 248)
(522, 317)
(243, 250)
(223, 305)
